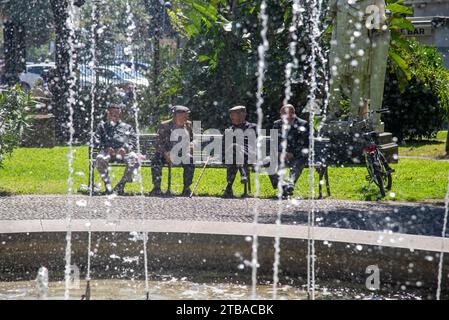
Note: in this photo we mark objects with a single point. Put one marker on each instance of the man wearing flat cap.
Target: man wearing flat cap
(116, 141)
(164, 146)
(239, 126)
(296, 149)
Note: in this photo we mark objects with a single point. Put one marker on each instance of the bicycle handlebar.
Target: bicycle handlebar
(369, 113)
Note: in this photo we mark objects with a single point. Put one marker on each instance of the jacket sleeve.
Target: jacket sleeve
(303, 140)
(132, 141)
(99, 137)
(278, 126)
(190, 129)
(163, 139)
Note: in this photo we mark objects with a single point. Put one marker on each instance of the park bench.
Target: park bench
(148, 149)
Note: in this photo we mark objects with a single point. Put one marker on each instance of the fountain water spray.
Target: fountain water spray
(42, 283)
(443, 235)
(70, 24)
(130, 51)
(323, 60)
(313, 109)
(293, 65)
(262, 49)
(93, 64)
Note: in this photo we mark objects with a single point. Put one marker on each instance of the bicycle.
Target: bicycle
(379, 171)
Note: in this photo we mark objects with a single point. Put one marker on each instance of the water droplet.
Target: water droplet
(81, 203)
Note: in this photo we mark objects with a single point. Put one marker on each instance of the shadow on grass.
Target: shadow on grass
(4, 193)
(370, 192)
(421, 143)
(444, 157)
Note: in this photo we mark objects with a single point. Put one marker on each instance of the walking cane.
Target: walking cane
(86, 295)
(201, 175)
(169, 179)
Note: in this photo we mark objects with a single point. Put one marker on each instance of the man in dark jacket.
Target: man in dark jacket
(247, 130)
(164, 146)
(117, 142)
(296, 155)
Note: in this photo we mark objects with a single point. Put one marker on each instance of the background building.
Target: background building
(431, 20)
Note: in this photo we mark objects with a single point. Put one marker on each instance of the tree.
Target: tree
(14, 108)
(418, 109)
(26, 23)
(219, 61)
(62, 81)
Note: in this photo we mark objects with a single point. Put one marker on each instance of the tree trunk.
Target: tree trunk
(15, 51)
(8, 34)
(60, 83)
(447, 140)
(21, 52)
(155, 10)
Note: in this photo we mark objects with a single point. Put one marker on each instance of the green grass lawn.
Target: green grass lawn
(426, 148)
(45, 171)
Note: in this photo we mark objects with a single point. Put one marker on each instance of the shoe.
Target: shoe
(228, 193)
(186, 192)
(243, 176)
(120, 189)
(109, 190)
(287, 191)
(156, 192)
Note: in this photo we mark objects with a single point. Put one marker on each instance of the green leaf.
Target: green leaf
(210, 11)
(401, 63)
(203, 58)
(398, 8)
(401, 23)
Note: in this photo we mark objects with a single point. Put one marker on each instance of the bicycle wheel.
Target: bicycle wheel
(380, 183)
(375, 170)
(388, 180)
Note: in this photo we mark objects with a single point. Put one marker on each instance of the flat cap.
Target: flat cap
(116, 106)
(238, 108)
(176, 109)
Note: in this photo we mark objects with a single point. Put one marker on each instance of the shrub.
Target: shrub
(14, 108)
(418, 106)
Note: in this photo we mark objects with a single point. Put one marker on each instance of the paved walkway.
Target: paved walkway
(404, 218)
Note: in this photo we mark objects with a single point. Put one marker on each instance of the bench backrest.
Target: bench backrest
(148, 146)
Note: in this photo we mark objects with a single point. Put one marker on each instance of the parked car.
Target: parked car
(131, 77)
(34, 72)
(87, 74)
(138, 66)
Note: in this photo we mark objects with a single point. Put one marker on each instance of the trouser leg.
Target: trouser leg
(132, 164)
(231, 172)
(102, 165)
(274, 178)
(295, 171)
(156, 171)
(189, 171)
(243, 171)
